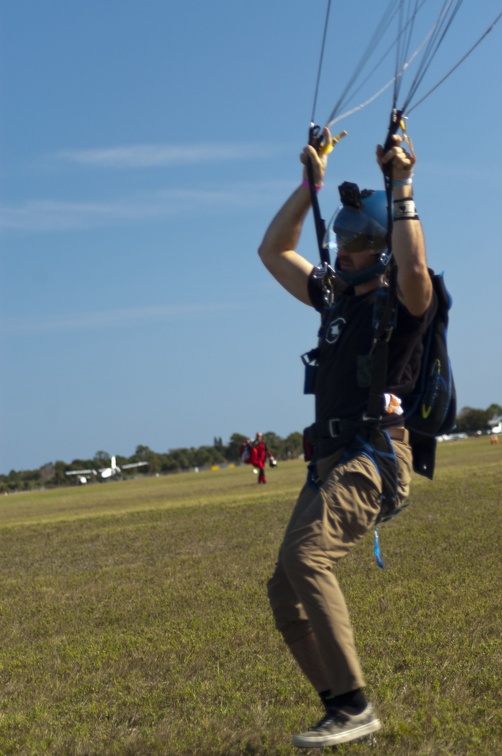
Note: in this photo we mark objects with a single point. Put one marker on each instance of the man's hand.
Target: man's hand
(318, 160)
(408, 246)
(401, 160)
(278, 248)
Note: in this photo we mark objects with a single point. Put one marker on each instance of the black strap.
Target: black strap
(320, 226)
(385, 303)
(384, 320)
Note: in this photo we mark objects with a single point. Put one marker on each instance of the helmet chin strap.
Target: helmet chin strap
(366, 274)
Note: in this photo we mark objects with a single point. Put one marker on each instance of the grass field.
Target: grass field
(134, 617)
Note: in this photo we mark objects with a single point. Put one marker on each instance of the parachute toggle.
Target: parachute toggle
(319, 143)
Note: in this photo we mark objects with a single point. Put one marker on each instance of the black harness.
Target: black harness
(364, 434)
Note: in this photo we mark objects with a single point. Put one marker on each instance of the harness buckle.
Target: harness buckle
(334, 427)
(371, 419)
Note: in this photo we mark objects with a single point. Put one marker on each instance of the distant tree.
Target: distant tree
(46, 473)
(471, 420)
(145, 454)
(59, 473)
(23, 480)
(207, 455)
(81, 464)
(293, 445)
(201, 457)
(274, 443)
(236, 441)
(218, 444)
(179, 459)
(494, 410)
(142, 453)
(12, 482)
(102, 458)
(170, 464)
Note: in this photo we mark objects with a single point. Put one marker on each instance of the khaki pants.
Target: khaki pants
(326, 522)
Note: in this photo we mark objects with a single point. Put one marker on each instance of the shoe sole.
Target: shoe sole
(354, 733)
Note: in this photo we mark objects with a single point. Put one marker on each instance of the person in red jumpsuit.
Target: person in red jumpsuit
(259, 454)
(255, 453)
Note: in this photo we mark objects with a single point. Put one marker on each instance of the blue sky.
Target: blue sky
(144, 148)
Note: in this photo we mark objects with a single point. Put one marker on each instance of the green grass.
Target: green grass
(134, 617)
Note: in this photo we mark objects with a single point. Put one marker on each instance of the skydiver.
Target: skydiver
(341, 498)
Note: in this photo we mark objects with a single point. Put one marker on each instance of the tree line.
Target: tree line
(471, 420)
(52, 474)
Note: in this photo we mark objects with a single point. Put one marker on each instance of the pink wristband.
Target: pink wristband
(317, 187)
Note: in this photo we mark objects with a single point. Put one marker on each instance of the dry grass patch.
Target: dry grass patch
(134, 617)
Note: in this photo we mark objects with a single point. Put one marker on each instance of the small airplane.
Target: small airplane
(104, 473)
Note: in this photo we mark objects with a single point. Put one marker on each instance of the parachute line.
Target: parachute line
(321, 58)
(441, 27)
(383, 24)
(335, 118)
(407, 12)
(459, 63)
(385, 86)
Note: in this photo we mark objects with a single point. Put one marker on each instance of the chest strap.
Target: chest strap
(336, 427)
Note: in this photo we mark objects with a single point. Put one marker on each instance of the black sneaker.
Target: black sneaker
(339, 727)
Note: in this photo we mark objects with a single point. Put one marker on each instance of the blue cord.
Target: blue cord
(376, 550)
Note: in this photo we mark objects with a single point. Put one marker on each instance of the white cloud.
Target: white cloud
(62, 215)
(107, 318)
(154, 155)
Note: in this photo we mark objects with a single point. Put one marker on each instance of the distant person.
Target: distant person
(256, 453)
(355, 465)
(259, 457)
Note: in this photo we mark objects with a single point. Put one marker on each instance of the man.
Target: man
(259, 456)
(350, 470)
(255, 453)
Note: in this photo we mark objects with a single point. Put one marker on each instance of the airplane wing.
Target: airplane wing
(133, 464)
(81, 472)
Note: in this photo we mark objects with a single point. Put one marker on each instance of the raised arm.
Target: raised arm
(278, 248)
(414, 287)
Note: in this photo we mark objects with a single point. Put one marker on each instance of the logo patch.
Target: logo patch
(334, 330)
(432, 390)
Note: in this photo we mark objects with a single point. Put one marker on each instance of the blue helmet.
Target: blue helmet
(359, 224)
